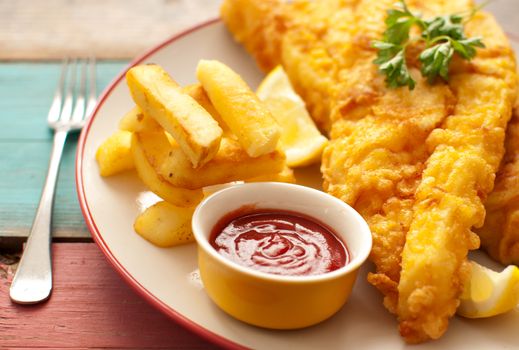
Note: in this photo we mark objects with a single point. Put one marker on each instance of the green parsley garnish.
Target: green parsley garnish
(442, 35)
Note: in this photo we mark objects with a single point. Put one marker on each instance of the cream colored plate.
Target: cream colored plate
(168, 278)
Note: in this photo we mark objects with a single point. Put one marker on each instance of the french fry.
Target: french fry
(231, 163)
(246, 116)
(285, 175)
(149, 149)
(197, 92)
(196, 132)
(136, 120)
(114, 154)
(209, 190)
(165, 225)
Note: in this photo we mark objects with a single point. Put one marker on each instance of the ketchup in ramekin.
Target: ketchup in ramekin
(278, 242)
(288, 300)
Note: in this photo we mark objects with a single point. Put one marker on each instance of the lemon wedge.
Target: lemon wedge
(489, 293)
(300, 138)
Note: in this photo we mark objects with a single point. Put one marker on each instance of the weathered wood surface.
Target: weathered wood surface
(26, 92)
(90, 307)
(52, 29)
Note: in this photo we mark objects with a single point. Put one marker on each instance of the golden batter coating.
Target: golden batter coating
(500, 233)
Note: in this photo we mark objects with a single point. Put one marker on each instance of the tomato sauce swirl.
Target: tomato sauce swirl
(279, 242)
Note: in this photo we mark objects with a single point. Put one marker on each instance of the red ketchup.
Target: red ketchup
(278, 242)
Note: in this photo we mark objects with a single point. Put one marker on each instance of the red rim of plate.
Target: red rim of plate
(147, 295)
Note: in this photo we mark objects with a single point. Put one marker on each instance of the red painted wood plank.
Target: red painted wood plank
(90, 307)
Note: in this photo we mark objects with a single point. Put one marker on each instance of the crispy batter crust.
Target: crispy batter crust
(500, 233)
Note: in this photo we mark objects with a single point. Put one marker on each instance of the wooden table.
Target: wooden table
(90, 306)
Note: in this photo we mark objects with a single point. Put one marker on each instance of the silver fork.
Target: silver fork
(32, 282)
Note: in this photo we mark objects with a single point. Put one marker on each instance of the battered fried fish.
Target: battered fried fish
(392, 151)
(500, 233)
(466, 153)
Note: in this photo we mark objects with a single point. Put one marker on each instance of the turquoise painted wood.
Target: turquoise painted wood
(26, 91)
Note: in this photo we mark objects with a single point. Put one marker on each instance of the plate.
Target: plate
(169, 279)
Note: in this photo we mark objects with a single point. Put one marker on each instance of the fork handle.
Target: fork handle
(32, 282)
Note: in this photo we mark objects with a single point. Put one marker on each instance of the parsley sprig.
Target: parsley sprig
(443, 36)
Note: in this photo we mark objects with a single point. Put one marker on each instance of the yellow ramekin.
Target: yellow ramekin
(275, 301)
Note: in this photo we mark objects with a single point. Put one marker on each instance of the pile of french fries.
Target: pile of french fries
(182, 140)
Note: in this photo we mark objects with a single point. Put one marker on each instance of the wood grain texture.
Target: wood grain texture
(51, 29)
(26, 91)
(90, 307)
(25, 143)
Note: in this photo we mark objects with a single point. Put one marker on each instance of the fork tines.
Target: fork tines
(71, 111)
